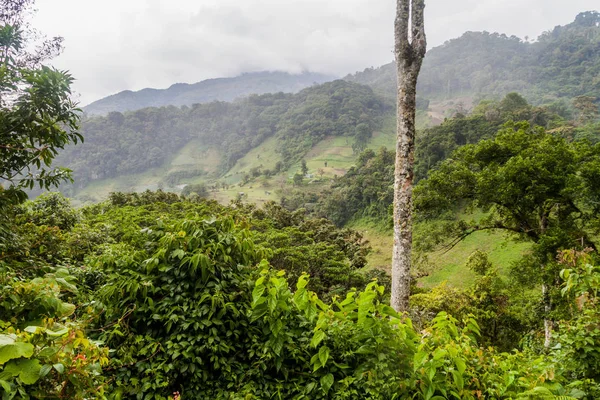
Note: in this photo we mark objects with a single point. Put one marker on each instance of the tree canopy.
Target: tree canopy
(37, 115)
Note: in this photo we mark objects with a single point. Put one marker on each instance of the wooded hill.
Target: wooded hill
(133, 142)
(562, 62)
(207, 141)
(222, 89)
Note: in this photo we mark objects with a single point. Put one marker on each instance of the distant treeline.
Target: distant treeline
(563, 62)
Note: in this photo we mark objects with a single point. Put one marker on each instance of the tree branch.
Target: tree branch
(419, 42)
(467, 232)
(401, 27)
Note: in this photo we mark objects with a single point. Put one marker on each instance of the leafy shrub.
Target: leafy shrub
(44, 351)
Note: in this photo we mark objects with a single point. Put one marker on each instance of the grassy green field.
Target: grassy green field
(264, 156)
(446, 266)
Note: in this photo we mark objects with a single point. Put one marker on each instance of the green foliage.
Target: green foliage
(53, 210)
(178, 304)
(37, 115)
(296, 243)
(44, 351)
(303, 167)
(586, 108)
(436, 144)
(199, 189)
(332, 257)
(579, 338)
(193, 316)
(335, 108)
(298, 179)
(173, 179)
(504, 313)
(496, 175)
(366, 190)
(533, 185)
(184, 294)
(479, 263)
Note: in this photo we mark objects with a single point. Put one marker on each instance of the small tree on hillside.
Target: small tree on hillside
(410, 51)
(298, 179)
(303, 168)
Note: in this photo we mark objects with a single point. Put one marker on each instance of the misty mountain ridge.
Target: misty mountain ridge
(221, 89)
(563, 62)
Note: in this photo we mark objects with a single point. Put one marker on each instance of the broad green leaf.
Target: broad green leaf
(15, 350)
(327, 382)
(317, 338)
(460, 365)
(323, 355)
(6, 386)
(27, 370)
(58, 333)
(66, 309)
(7, 339)
(59, 368)
(48, 352)
(45, 370)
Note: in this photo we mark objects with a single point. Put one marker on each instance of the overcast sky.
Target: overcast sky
(114, 45)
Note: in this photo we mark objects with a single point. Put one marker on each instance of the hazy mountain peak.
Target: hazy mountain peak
(222, 89)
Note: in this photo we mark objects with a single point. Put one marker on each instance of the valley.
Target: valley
(232, 238)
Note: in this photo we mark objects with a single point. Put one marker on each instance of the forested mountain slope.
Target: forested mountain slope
(222, 89)
(563, 62)
(204, 142)
(133, 142)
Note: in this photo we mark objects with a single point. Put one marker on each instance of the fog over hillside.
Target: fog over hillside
(222, 89)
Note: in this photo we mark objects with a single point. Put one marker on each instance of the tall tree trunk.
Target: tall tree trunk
(410, 50)
(547, 322)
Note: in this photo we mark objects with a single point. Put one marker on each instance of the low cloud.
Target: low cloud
(116, 45)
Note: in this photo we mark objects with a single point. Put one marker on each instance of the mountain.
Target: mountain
(207, 140)
(562, 63)
(222, 89)
(265, 136)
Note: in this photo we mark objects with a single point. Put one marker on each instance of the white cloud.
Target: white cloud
(113, 45)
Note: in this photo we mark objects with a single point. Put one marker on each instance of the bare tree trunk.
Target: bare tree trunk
(410, 50)
(547, 322)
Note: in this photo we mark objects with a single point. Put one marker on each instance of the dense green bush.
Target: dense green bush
(44, 349)
(200, 314)
(184, 295)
